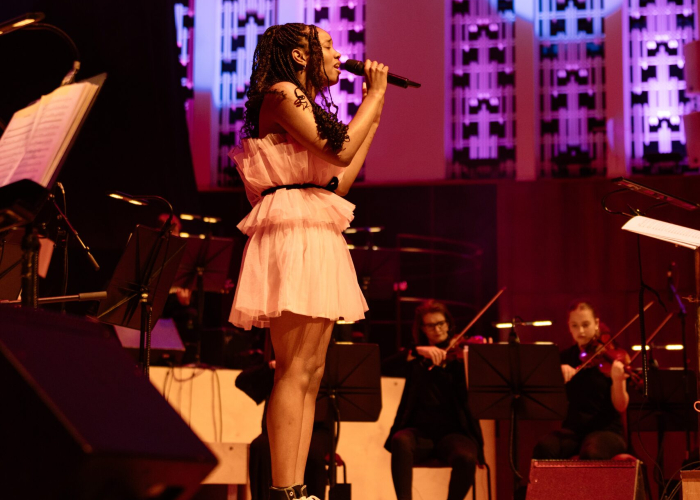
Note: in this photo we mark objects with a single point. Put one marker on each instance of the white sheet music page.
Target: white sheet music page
(664, 231)
(36, 138)
(14, 141)
(86, 97)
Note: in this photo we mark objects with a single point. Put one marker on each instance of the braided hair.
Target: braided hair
(273, 63)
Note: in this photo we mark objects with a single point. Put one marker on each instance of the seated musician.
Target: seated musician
(593, 427)
(433, 419)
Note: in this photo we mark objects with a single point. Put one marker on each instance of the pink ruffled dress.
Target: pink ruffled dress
(296, 258)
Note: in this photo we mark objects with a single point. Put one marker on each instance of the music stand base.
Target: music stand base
(341, 491)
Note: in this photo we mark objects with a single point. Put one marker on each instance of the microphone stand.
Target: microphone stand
(643, 287)
(30, 260)
(81, 297)
(682, 313)
(64, 231)
(64, 220)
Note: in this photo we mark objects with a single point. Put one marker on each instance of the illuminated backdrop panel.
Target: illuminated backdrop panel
(572, 86)
(658, 29)
(483, 88)
(184, 22)
(242, 22)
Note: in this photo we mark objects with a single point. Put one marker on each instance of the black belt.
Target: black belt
(331, 186)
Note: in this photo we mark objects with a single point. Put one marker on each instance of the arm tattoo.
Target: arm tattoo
(301, 100)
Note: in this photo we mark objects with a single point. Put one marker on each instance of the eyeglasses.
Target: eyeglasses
(439, 324)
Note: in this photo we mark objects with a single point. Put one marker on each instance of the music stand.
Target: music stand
(22, 200)
(378, 270)
(139, 287)
(204, 268)
(513, 381)
(10, 264)
(668, 408)
(351, 391)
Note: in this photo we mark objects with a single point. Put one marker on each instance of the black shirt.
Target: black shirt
(436, 411)
(590, 404)
(436, 401)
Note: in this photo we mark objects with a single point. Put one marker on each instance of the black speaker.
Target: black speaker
(79, 421)
(586, 480)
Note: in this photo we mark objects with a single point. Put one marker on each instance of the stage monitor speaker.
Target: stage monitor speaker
(586, 480)
(80, 422)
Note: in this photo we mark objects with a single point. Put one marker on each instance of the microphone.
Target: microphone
(358, 68)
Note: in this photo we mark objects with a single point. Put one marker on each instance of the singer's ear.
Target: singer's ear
(299, 56)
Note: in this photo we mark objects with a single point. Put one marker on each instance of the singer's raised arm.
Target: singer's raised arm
(291, 111)
(353, 169)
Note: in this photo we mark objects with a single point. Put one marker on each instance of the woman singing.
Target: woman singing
(297, 276)
(593, 426)
(433, 419)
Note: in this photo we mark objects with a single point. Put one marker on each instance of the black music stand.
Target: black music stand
(204, 268)
(21, 202)
(513, 381)
(668, 407)
(10, 264)
(139, 286)
(378, 271)
(351, 391)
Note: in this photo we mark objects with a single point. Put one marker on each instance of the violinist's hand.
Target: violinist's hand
(184, 296)
(568, 372)
(617, 372)
(435, 354)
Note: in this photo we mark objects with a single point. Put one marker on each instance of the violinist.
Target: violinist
(593, 426)
(433, 419)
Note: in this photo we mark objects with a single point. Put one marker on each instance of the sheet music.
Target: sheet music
(85, 98)
(37, 136)
(664, 231)
(13, 142)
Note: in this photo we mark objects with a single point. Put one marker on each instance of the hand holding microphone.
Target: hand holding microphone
(375, 74)
(359, 68)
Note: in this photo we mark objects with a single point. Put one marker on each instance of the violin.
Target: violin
(461, 340)
(455, 352)
(605, 354)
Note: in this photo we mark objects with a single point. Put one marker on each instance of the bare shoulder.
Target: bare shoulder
(289, 97)
(286, 88)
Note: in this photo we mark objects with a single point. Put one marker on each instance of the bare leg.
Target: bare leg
(300, 345)
(307, 423)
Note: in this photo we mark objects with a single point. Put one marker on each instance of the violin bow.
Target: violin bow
(605, 346)
(457, 338)
(651, 337)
